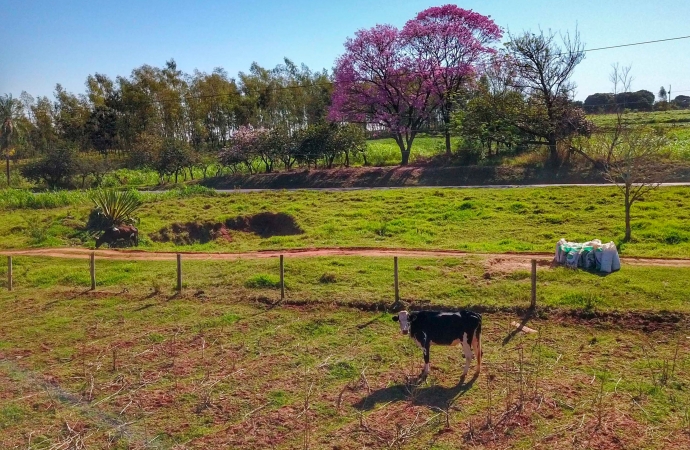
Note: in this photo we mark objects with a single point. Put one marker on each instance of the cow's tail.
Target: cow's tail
(477, 345)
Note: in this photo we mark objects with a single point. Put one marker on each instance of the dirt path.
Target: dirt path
(389, 188)
(498, 258)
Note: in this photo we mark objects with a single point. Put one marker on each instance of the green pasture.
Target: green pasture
(129, 366)
(475, 220)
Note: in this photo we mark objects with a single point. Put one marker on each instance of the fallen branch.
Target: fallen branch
(522, 327)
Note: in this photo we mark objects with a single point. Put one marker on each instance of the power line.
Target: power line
(330, 83)
(637, 43)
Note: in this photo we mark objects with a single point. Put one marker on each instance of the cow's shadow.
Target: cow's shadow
(434, 396)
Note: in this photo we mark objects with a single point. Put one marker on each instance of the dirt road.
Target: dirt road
(138, 255)
(388, 188)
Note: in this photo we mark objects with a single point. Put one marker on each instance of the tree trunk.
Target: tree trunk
(405, 157)
(7, 160)
(553, 152)
(447, 133)
(446, 125)
(627, 214)
(404, 149)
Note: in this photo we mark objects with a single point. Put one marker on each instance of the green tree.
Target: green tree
(101, 129)
(543, 72)
(662, 94)
(71, 115)
(491, 112)
(10, 112)
(637, 165)
(56, 168)
(174, 159)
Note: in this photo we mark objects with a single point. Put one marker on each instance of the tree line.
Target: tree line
(160, 117)
(443, 70)
(641, 100)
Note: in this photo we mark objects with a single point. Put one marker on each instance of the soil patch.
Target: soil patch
(192, 233)
(266, 224)
(498, 266)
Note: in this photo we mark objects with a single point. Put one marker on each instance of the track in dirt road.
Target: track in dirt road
(138, 255)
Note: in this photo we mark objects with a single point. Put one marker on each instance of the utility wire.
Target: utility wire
(331, 83)
(636, 43)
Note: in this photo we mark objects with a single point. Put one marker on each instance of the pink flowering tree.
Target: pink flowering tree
(377, 81)
(449, 44)
(245, 147)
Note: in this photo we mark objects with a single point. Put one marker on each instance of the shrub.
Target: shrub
(327, 278)
(114, 207)
(55, 169)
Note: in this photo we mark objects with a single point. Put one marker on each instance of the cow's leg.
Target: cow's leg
(425, 349)
(467, 352)
(477, 349)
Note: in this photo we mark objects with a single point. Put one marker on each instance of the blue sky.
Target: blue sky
(44, 43)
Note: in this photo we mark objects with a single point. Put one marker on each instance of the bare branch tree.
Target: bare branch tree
(636, 165)
(633, 157)
(544, 69)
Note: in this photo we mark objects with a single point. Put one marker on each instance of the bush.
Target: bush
(470, 155)
(55, 169)
(113, 208)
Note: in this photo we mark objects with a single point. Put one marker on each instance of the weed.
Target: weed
(10, 414)
(156, 286)
(328, 278)
(263, 281)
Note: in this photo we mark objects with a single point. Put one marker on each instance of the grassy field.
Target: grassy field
(385, 152)
(680, 118)
(478, 220)
(222, 364)
(213, 368)
(477, 281)
(677, 123)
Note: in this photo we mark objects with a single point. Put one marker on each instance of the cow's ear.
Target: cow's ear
(395, 318)
(412, 317)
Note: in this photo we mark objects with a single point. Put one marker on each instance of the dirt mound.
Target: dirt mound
(266, 224)
(192, 233)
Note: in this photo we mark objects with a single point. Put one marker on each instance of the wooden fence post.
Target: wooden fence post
(179, 272)
(395, 273)
(93, 270)
(282, 278)
(9, 273)
(534, 284)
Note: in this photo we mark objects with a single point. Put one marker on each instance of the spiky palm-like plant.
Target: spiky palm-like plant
(115, 207)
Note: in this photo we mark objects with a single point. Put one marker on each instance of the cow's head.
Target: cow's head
(404, 318)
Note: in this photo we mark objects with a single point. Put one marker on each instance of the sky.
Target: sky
(49, 42)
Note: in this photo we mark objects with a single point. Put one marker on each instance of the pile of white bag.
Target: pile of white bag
(592, 255)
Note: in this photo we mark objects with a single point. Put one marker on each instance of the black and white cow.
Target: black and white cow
(444, 328)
